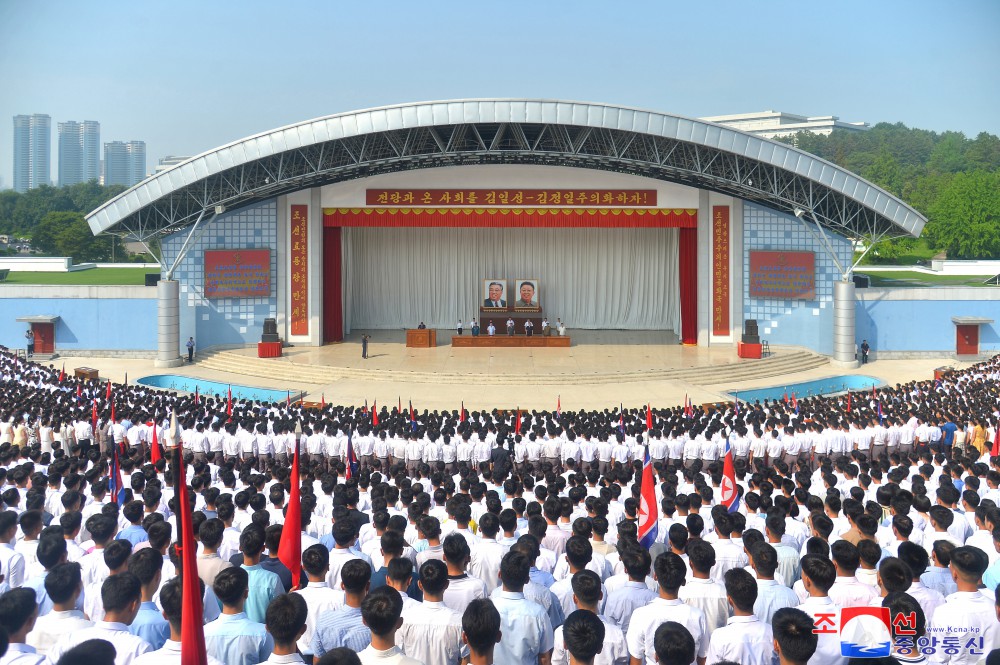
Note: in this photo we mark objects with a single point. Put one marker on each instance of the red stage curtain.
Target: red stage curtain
(688, 274)
(333, 305)
(650, 218)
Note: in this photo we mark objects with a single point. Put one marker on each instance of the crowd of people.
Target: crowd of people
(504, 536)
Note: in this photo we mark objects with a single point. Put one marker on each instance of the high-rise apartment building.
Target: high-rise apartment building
(32, 151)
(79, 151)
(124, 162)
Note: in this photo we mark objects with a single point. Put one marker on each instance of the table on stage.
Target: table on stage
(421, 338)
(268, 349)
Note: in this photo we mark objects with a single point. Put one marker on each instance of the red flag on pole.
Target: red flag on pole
(229, 401)
(62, 373)
(874, 396)
(649, 417)
(322, 400)
(461, 414)
(79, 391)
(290, 549)
(192, 613)
(108, 392)
(113, 419)
(413, 415)
(559, 406)
(848, 401)
(374, 413)
(288, 398)
(196, 396)
(785, 398)
(93, 416)
(517, 422)
(154, 448)
(996, 441)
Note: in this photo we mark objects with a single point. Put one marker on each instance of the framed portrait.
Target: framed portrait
(495, 296)
(526, 294)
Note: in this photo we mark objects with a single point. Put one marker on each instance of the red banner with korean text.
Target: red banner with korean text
(720, 271)
(299, 270)
(681, 218)
(783, 275)
(599, 198)
(237, 273)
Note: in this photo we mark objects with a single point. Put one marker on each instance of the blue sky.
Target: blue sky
(186, 76)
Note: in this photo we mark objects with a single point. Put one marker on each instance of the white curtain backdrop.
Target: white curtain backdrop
(603, 279)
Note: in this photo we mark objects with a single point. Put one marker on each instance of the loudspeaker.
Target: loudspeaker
(270, 326)
(750, 327)
(861, 281)
(152, 278)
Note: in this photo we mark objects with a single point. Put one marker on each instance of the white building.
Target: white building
(778, 124)
(168, 162)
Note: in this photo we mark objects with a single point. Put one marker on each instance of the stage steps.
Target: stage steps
(781, 362)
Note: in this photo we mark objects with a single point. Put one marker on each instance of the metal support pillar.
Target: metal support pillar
(168, 349)
(843, 324)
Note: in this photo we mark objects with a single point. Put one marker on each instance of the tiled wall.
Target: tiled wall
(806, 323)
(225, 320)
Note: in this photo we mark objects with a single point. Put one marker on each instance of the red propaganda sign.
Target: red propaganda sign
(299, 271)
(783, 275)
(237, 273)
(720, 270)
(513, 197)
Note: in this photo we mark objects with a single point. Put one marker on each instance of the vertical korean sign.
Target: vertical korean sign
(720, 271)
(299, 273)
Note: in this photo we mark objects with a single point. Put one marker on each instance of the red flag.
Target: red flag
(229, 401)
(649, 417)
(365, 410)
(113, 419)
(785, 398)
(996, 441)
(93, 416)
(108, 393)
(374, 413)
(192, 613)
(62, 373)
(517, 422)
(461, 414)
(197, 400)
(795, 402)
(322, 400)
(399, 406)
(290, 549)
(288, 398)
(79, 391)
(154, 448)
(874, 396)
(559, 406)
(848, 401)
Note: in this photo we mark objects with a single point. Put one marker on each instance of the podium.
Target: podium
(268, 349)
(749, 350)
(421, 338)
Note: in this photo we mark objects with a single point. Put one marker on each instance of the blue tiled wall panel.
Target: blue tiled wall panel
(924, 325)
(102, 324)
(225, 320)
(806, 323)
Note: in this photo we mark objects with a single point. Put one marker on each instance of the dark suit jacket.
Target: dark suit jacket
(489, 303)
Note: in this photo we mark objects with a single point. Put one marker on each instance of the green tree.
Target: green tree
(68, 234)
(966, 216)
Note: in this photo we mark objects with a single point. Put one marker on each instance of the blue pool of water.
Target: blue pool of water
(828, 386)
(211, 388)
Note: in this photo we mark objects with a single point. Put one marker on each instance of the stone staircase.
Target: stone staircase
(780, 362)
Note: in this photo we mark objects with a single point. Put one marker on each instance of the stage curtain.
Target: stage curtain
(603, 279)
(333, 308)
(688, 269)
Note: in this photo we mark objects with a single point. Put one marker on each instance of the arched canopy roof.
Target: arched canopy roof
(506, 131)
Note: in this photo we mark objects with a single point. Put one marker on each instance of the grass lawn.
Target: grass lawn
(94, 276)
(907, 278)
(918, 251)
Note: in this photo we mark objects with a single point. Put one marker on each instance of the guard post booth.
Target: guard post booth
(967, 334)
(44, 327)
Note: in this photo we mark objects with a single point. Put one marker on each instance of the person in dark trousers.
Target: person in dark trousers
(364, 346)
(30, 342)
(190, 348)
(864, 351)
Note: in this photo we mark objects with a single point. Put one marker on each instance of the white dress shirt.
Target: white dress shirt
(319, 598)
(431, 633)
(170, 654)
(744, 640)
(709, 597)
(393, 656)
(646, 620)
(851, 592)
(966, 615)
(614, 651)
(22, 654)
(50, 628)
(827, 643)
(127, 646)
(527, 631)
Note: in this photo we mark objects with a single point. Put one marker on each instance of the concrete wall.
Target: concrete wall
(914, 322)
(806, 323)
(116, 320)
(37, 263)
(224, 321)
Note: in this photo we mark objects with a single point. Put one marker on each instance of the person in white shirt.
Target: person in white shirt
(701, 591)
(11, 561)
(644, 626)
(432, 631)
(381, 611)
(585, 634)
(319, 597)
(122, 596)
(171, 597)
(818, 575)
(967, 614)
(286, 623)
(18, 612)
(847, 590)
(744, 639)
(63, 584)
